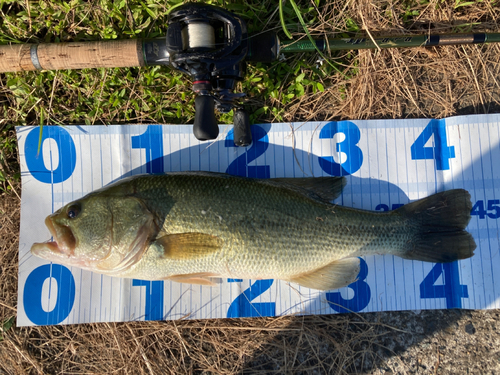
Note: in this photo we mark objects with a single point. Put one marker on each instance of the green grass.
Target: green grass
(162, 95)
(9, 168)
(151, 94)
(135, 95)
(159, 94)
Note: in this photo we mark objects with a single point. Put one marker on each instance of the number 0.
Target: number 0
(66, 154)
(65, 298)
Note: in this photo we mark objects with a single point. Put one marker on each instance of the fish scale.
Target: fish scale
(267, 231)
(190, 226)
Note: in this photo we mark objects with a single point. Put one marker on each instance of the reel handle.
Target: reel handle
(205, 125)
(241, 132)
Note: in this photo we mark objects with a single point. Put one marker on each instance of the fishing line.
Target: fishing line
(198, 35)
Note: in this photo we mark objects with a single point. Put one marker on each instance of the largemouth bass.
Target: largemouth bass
(194, 226)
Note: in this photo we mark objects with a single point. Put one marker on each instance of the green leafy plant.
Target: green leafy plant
(6, 325)
(148, 94)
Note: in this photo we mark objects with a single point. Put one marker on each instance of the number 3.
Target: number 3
(347, 146)
(362, 294)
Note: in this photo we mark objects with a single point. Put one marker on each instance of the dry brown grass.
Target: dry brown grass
(408, 83)
(267, 345)
(290, 344)
(434, 82)
(342, 344)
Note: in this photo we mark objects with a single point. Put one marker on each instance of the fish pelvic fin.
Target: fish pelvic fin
(332, 276)
(185, 246)
(441, 220)
(201, 278)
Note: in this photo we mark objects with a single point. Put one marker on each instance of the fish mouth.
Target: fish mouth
(63, 244)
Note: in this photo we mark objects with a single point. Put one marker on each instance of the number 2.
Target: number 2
(242, 306)
(239, 166)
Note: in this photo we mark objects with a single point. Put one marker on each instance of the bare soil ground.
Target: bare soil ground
(433, 82)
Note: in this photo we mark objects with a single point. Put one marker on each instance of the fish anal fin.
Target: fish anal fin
(201, 278)
(184, 246)
(335, 275)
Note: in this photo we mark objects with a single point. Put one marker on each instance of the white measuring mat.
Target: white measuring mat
(387, 163)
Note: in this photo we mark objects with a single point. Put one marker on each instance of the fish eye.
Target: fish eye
(73, 211)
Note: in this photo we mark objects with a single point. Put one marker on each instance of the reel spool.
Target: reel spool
(210, 45)
(198, 35)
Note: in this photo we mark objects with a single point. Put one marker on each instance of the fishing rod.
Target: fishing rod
(400, 41)
(212, 46)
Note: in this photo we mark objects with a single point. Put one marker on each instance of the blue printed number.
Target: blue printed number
(493, 206)
(154, 298)
(347, 146)
(66, 154)
(152, 141)
(384, 207)
(242, 306)
(239, 166)
(362, 294)
(452, 290)
(441, 152)
(32, 299)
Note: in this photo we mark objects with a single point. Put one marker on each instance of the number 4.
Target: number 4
(451, 289)
(441, 152)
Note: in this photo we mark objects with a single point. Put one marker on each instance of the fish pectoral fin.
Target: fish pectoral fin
(201, 278)
(335, 275)
(184, 246)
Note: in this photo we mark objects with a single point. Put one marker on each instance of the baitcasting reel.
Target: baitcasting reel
(211, 46)
(208, 43)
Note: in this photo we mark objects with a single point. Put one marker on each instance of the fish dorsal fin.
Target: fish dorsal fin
(184, 246)
(201, 278)
(332, 276)
(325, 188)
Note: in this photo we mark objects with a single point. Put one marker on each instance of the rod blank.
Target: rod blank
(355, 43)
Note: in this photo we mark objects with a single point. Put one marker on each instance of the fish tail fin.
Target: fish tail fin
(441, 220)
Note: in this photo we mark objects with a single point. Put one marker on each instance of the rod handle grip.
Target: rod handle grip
(73, 55)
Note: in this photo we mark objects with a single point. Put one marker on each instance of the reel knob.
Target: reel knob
(241, 131)
(205, 125)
